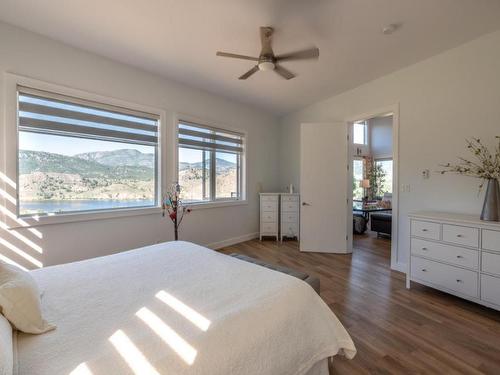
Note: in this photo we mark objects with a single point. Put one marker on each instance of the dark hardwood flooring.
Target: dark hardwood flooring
(396, 331)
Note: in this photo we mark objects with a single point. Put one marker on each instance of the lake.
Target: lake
(47, 206)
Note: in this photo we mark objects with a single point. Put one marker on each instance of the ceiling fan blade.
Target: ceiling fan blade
(236, 56)
(250, 72)
(266, 34)
(312, 53)
(285, 73)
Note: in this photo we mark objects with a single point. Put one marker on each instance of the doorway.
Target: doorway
(373, 151)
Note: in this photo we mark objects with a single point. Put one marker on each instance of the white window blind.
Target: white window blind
(49, 113)
(210, 139)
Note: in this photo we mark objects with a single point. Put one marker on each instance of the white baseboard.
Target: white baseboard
(233, 241)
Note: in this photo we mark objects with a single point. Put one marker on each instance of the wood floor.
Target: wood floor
(396, 331)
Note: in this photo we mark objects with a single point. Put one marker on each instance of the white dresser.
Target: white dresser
(289, 215)
(458, 254)
(269, 215)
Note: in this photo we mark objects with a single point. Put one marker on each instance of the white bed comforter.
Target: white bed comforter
(178, 308)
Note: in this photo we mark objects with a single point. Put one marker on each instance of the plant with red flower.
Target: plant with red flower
(172, 204)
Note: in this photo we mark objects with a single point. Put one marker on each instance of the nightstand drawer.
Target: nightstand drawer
(289, 217)
(442, 275)
(445, 253)
(289, 198)
(490, 289)
(461, 235)
(269, 227)
(289, 229)
(425, 229)
(290, 206)
(269, 217)
(269, 198)
(269, 206)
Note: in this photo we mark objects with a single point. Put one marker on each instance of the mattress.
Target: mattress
(178, 308)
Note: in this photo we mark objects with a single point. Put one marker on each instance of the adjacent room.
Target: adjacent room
(227, 187)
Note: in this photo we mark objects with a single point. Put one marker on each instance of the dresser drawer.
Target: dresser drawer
(290, 206)
(490, 289)
(445, 253)
(490, 263)
(289, 198)
(461, 235)
(425, 229)
(269, 206)
(290, 217)
(269, 217)
(448, 277)
(269, 198)
(289, 229)
(269, 228)
(491, 240)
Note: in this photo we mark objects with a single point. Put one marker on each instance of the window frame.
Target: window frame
(376, 160)
(241, 162)
(11, 215)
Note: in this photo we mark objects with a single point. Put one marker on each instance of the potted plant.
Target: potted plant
(172, 204)
(486, 166)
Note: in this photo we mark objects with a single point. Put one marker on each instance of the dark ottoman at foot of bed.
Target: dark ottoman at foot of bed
(311, 280)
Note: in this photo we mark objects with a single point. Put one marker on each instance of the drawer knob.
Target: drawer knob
(424, 270)
(459, 256)
(424, 230)
(459, 236)
(459, 281)
(424, 248)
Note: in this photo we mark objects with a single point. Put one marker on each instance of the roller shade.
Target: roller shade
(43, 112)
(207, 138)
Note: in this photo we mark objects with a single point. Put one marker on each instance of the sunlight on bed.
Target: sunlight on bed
(194, 317)
(133, 356)
(168, 335)
(82, 369)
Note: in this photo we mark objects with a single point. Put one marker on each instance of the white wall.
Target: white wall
(442, 100)
(31, 55)
(380, 130)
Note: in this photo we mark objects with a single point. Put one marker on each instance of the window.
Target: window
(360, 133)
(210, 163)
(358, 175)
(76, 155)
(385, 166)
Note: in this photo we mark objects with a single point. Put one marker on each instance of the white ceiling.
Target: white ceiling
(178, 38)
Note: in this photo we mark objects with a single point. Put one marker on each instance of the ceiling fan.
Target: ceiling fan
(267, 60)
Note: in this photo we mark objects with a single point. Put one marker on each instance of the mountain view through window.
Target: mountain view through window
(60, 174)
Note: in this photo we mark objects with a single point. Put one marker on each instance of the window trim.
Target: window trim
(242, 183)
(11, 142)
(365, 132)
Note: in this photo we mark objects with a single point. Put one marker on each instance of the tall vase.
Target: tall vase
(491, 206)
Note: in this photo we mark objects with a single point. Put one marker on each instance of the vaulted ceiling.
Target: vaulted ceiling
(178, 39)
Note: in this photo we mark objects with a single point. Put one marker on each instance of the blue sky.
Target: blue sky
(71, 146)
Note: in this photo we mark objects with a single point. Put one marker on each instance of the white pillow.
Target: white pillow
(20, 300)
(6, 347)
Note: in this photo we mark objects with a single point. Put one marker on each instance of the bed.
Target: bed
(178, 308)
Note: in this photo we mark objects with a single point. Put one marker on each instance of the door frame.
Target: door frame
(396, 264)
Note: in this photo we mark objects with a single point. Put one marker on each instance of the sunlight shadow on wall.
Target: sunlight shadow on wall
(133, 356)
(168, 335)
(194, 317)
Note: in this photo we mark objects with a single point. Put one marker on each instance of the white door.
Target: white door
(324, 188)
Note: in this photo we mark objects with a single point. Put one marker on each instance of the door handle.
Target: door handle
(305, 204)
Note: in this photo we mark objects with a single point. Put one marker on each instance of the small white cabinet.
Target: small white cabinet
(458, 254)
(279, 215)
(269, 215)
(289, 215)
